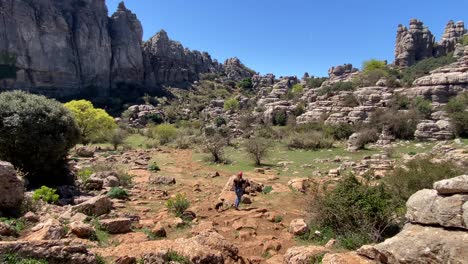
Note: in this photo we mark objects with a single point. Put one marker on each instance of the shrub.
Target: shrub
(337, 87)
(117, 193)
(153, 166)
(118, 137)
(457, 109)
(356, 212)
(35, 136)
(219, 121)
(245, 84)
(297, 89)
(422, 106)
(419, 174)
(366, 136)
(267, 189)
(373, 64)
(17, 224)
(257, 148)
(165, 133)
(339, 131)
(231, 104)
(401, 124)
(94, 123)
(15, 259)
(215, 146)
(84, 174)
(173, 256)
(280, 118)
(46, 194)
(312, 140)
(465, 40)
(350, 100)
(315, 82)
(178, 204)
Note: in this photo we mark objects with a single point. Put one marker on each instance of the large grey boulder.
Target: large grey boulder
(420, 244)
(95, 206)
(454, 185)
(11, 188)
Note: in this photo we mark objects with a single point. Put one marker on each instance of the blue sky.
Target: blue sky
(290, 37)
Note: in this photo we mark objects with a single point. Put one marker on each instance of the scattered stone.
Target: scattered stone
(51, 229)
(95, 206)
(7, 230)
(304, 255)
(85, 152)
(82, 230)
(298, 227)
(116, 225)
(299, 185)
(159, 230)
(126, 260)
(162, 180)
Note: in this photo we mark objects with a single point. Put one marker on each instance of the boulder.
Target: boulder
(159, 230)
(11, 188)
(85, 152)
(452, 186)
(111, 181)
(55, 251)
(299, 185)
(82, 230)
(51, 229)
(304, 255)
(162, 180)
(93, 184)
(95, 206)
(298, 227)
(116, 225)
(7, 230)
(345, 258)
(428, 245)
(421, 207)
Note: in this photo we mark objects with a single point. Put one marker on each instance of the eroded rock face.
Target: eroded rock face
(55, 251)
(452, 34)
(236, 71)
(413, 44)
(95, 206)
(11, 188)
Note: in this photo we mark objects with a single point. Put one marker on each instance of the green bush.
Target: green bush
(165, 133)
(401, 124)
(215, 145)
(464, 41)
(422, 106)
(153, 166)
(46, 194)
(178, 204)
(117, 193)
(117, 138)
(457, 109)
(36, 134)
(424, 67)
(280, 118)
(267, 189)
(337, 87)
(231, 104)
(257, 148)
(17, 224)
(312, 140)
(419, 174)
(173, 256)
(340, 131)
(220, 121)
(245, 84)
(15, 259)
(297, 89)
(84, 174)
(357, 213)
(315, 82)
(373, 64)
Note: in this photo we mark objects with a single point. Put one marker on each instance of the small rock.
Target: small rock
(298, 227)
(162, 180)
(81, 230)
(126, 260)
(159, 230)
(116, 225)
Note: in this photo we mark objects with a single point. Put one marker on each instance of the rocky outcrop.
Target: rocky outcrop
(11, 188)
(340, 73)
(235, 70)
(169, 63)
(452, 34)
(126, 33)
(417, 43)
(413, 44)
(55, 251)
(66, 49)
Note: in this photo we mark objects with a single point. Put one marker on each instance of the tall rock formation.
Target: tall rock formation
(71, 48)
(127, 55)
(413, 44)
(417, 43)
(169, 63)
(452, 34)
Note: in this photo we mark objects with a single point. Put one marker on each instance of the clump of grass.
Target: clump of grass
(15, 259)
(267, 189)
(278, 219)
(178, 204)
(46, 194)
(17, 224)
(176, 257)
(118, 193)
(84, 174)
(153, 167)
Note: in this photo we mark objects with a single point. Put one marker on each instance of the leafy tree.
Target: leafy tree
(35, 136)
(373, 64)
(117, 137)
(94, 123)
(257, 148)
(165, 133)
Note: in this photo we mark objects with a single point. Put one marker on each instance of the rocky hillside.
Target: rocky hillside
(72, 48)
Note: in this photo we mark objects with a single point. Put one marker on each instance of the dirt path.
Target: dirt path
(249, 229)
